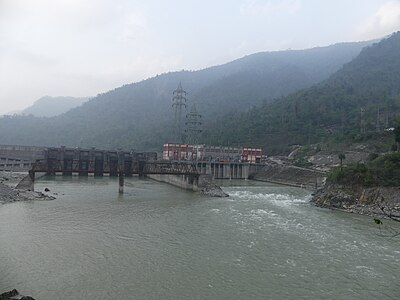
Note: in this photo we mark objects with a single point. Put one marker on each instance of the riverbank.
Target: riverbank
(371, 188)
(9, 193)
(373, 201)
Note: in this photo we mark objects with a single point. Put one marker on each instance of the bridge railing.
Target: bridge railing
(114, 167)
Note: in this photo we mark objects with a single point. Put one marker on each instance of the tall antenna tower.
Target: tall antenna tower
(193, 126)
(179, 101)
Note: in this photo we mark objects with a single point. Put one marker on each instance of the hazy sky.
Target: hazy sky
(85, 47)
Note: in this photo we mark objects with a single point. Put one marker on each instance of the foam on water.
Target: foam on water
(279, 211)
(274, 198)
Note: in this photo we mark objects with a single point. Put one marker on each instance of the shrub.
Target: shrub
(381, 171)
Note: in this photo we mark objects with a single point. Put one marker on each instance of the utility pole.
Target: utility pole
(179, 101)
(378, 125)
(387, 118)
(362, 124)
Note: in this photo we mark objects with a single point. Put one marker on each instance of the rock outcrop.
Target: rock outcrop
(373, 201)
(213, 190)
(207, 187)
(14, 294)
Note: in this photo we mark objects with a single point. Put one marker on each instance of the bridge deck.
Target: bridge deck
(114, 168)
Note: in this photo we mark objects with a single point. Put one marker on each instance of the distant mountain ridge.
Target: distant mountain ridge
(52, 106)
(354, 105)
(140, 115)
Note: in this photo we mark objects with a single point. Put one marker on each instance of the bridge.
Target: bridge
(113, 168)
(114, 163)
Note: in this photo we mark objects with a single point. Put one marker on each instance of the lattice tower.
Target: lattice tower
(193, 126)
(179, 102)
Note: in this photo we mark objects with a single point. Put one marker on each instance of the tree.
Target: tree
(341, 156)
(386, 212)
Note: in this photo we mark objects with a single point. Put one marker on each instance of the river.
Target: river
(159, 242)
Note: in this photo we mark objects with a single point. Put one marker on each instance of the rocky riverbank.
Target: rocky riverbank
(11, 178)
(8, 192)
(13, 295)
(373, 201)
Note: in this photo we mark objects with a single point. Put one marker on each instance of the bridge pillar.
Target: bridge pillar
(84, 164)
(142, 164)
(220, 171)
(32, 178)
(121, 182)
(83, 167)
(98, 167)
(113, 166)
(128, 167)
(226, 171)
(67, 171)
(208, 168)
(246, 169)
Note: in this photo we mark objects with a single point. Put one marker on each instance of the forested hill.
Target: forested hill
(354, 105)
(52, 106)
(139, 115)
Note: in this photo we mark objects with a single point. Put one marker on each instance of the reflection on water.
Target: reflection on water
(158, 242)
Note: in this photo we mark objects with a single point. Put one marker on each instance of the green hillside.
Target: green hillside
(139, 115)
(354, 105)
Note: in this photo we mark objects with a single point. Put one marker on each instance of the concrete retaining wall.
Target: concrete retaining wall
(201, 183)
(186, 182)
(181, 181)
(289, 175)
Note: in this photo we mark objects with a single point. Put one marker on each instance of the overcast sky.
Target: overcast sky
(85, 47)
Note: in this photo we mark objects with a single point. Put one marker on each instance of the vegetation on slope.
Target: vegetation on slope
(355, 104)
(382, 171)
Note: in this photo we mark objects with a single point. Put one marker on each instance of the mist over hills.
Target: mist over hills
(354, 105)
(52, 106)
(140, 115)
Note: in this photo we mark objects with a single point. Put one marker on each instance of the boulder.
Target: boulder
(14, 294)
(213, 190)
